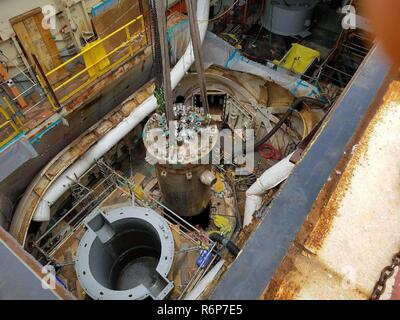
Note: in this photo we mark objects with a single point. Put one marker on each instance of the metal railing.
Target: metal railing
(97, 60)
(11, 124)
(60, 231)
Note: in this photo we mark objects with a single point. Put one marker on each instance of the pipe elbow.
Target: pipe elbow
(208, 178)
(253, 203)
(42, 213)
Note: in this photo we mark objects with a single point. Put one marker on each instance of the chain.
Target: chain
(157, 58)
(159, 94)
(386, 273)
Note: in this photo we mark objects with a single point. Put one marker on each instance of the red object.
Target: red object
(13, 88)
(180, 6)
(267, 151)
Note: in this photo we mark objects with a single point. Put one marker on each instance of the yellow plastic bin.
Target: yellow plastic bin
(299, 58)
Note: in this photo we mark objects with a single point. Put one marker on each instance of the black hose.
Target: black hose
(232, 248)
(295, 106)
(228, 244)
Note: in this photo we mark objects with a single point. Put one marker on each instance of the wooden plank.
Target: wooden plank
(24, 39)
(175, 273)
(25, 15)
(138, 179)
(106, 22)
(150, 186)
(38, 41)
(37, 44)
(47, 39)
(51, 49)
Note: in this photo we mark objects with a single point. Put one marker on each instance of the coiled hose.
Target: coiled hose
(295, 106)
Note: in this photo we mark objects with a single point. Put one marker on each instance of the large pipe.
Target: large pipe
(277, 173)
(205, 282)
(268, 180)
(63, 183)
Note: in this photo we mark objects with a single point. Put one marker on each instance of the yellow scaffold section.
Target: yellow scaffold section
(11, 124)
(98, 61)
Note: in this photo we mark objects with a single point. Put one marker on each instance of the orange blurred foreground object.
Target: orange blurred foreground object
(386, 18)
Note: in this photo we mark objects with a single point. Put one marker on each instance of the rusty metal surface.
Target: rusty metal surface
(274, 240)
(351, 232)
(185, 196)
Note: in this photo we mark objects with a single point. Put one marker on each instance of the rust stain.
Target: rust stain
(301, 269)
(287, 281)
(283, 285)
(328, 212)
(288, 292)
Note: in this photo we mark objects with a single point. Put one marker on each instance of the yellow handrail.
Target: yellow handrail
(13, 121)
(85, 50)
(102, 64)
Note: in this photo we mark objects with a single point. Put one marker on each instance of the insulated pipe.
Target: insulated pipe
(205, 282)
(63, 183)
(268, 180)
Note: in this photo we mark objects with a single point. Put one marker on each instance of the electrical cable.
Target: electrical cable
(220, 7)
(296, 104)
(221, 15)
(268, 152)
(254, 57)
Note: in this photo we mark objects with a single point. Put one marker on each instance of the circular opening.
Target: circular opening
(201, 220)
(129, 259)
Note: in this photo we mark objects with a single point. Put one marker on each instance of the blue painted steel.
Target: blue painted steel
(204, 259)
(104, 6)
